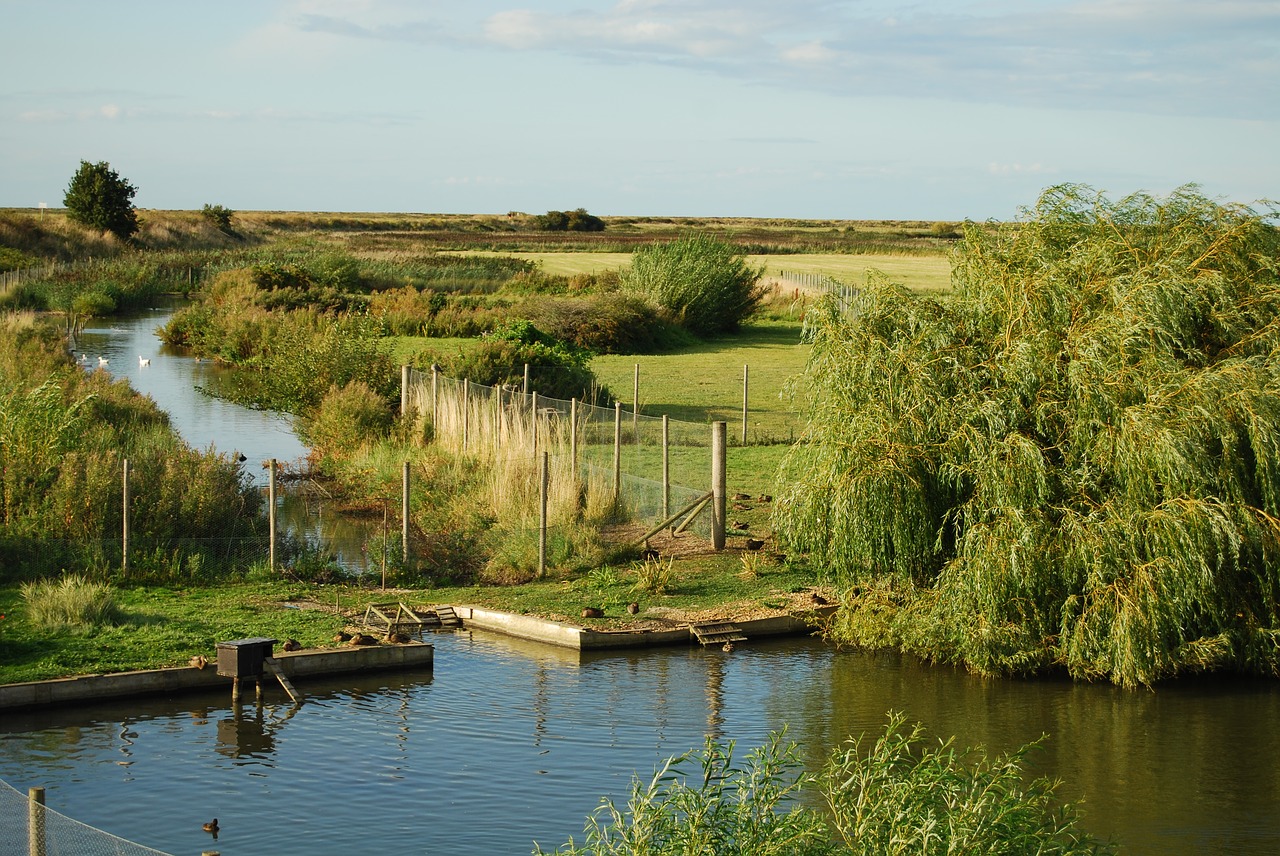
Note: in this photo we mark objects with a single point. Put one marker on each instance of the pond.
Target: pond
(508, 742)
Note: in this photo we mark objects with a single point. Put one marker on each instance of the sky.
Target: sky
(858, 109)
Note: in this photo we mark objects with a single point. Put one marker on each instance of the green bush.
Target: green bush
(702, 282)
(897, 796)
(217, 216)
(608, 323)
(346, 419)
(556, 368)
(98, 197)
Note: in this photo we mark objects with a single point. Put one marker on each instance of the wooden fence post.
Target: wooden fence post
(404, 516)
(573, 442)
(544, 488)
(404, 391)
(718, 484)
(526, 378)
(533, 421)
(666, 467)
(124, 543)
(271, 515)
(35, 822)
(635, 405)
(745, 374)
(617, 451)
(435, 394)
(466, 412)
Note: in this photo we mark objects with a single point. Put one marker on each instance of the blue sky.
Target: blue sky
(763, 108)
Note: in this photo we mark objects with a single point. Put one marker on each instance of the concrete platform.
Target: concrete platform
(295, 664)
(586, 639)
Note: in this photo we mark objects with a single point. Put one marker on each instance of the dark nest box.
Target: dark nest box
(243, 658)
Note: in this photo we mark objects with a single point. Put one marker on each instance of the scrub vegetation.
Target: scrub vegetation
(898, 794)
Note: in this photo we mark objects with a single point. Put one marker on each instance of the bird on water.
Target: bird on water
(212, 827)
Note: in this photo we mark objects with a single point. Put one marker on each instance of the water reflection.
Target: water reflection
(510, 741)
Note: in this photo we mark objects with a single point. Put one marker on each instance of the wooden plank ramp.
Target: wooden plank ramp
(716, 633)
(273, 666)
(447, 617)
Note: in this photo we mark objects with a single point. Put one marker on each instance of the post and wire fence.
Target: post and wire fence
(49, 833)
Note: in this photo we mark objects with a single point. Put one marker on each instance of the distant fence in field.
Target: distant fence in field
(846, 295)
(48, 832)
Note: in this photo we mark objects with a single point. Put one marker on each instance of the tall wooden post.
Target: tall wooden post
(617, 451)
(526, 378)
(271, 516)
(635, 405)
(435, 395)
(573, 442)
(124, 533)
(666, 467)
(404, 391)
(466, 412)
(544, 483)
(35, 822)
(745, 374)
(533, 421)
(404, 515)
(718, 484)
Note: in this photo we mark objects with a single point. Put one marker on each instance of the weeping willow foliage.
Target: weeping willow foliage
(1074, 462)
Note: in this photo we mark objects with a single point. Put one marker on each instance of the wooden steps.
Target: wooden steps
(273, 666)
(716, 633)
(447, 617)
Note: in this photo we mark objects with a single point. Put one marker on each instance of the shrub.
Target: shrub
(704, 283)
(577, 220)
(608, 323)
(217, 216)
(897, 796)
(98, 197)
(346, 419)
(556, 368)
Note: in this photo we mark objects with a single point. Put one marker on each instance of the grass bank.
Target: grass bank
(162, 627)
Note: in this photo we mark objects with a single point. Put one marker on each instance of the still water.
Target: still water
(508, 742)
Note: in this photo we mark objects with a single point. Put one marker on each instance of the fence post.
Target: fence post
(718, 484)
(435, 394)
(526, 378)
(617, 451)
(544, 486)
(271, 515)
(124, 533)
(666, 467)
(35, 822)
(404, 391)
(404, 516)
(533, 421)
(573, 442)
(466, 412)
(635, 405)
(745, 374)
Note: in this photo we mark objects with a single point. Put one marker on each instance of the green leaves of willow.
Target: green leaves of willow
(1075, 461)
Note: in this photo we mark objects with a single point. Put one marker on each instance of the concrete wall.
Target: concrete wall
(323, 661)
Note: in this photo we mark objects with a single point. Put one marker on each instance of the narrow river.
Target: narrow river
(508, 742)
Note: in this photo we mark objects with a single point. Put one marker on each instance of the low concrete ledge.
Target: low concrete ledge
(586, 639)
(320, 661)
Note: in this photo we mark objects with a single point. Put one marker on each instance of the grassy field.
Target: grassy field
(927, 274)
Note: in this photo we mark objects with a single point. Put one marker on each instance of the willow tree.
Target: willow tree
(1074, 462)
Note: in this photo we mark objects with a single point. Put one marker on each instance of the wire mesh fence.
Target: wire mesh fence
(29, 828)
(648, 467)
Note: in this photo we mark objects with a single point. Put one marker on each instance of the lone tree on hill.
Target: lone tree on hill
(100, 198)
(1073, 463)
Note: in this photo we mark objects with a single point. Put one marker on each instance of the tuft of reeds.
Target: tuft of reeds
(71, 602)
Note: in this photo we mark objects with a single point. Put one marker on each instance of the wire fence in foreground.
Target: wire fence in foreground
(30, 828)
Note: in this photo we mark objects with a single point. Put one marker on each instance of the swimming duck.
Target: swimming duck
(211, 827)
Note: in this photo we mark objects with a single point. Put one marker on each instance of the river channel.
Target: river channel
(506, 743)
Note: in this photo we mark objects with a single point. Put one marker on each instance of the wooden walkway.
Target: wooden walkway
(717, 633)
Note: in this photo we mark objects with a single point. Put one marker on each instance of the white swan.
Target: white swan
(144, 361)
(102, 361)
